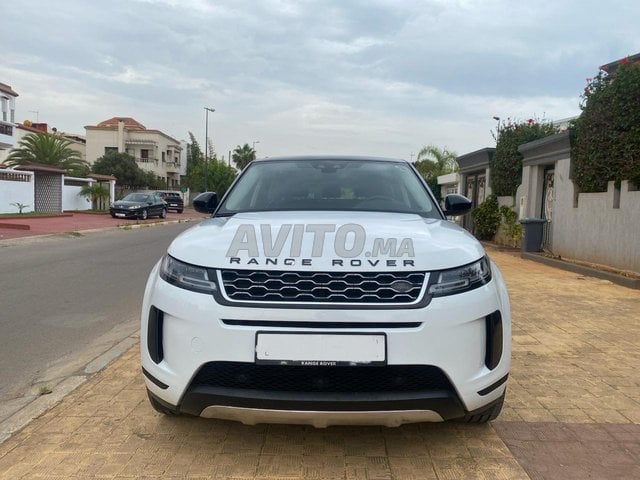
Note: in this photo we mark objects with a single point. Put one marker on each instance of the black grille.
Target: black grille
(332, 287)
(282, 378)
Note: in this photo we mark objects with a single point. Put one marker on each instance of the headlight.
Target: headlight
(184, 275)
(133, 207)
(460, 279)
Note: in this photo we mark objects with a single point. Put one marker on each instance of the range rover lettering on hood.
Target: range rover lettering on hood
(283, 244)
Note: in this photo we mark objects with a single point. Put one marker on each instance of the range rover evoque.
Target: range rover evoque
(327, 290)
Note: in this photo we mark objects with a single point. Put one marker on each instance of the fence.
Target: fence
(16, 187)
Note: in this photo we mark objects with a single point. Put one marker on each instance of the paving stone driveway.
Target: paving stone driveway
(572, 412)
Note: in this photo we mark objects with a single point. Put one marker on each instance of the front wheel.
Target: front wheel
(145, 214)
(179, 211)
(163, 213)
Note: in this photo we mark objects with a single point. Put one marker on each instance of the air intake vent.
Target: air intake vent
(324, 287)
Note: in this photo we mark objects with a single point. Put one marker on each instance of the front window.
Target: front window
(137, 197)
(345, 185)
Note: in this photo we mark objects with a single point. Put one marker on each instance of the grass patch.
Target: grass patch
(44, 390)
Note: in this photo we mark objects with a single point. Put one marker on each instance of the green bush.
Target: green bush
(510, 221)
(506, 163)
(606, 137)
(486, 218)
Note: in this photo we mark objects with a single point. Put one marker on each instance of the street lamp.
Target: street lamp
(254, 147)
(206, 145)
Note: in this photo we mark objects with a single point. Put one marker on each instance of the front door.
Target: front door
(547, 207)
(475, 191)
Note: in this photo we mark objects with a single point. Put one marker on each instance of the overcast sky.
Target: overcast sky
(376, 77)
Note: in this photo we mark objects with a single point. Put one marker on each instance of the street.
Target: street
(65, 299)
(571, 411)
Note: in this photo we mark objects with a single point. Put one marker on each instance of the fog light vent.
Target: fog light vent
(154, 334)
(494, 340)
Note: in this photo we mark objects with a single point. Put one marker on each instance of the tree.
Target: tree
(94, 192)
(432, 162)
(220, 177)
(122, 166)
(195, 159)
(606, 137)
(506, 163)
(243, 156)
(49, 150)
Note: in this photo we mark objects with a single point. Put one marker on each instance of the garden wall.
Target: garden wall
(601, 228)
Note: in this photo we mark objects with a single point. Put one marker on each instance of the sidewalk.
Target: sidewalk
(572, 412)
(81, 221)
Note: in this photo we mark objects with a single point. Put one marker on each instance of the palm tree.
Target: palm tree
(436, 161)
(243, 156)
(49, 150)
(432, 162)
(96, 193)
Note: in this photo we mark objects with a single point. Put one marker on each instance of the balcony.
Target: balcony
(172, 167)
(6, 135)
(149, 160)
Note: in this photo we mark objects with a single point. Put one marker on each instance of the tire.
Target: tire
(485, 415)
(113, 215)
(179, 211)
(160, 408)
(163, 213)
(144, 215)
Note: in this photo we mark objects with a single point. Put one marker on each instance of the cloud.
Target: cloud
(364, 76)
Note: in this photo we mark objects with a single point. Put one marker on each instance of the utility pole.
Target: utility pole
(206, 146)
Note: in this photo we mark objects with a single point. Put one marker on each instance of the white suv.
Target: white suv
(327, 290)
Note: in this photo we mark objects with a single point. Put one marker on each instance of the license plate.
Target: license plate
(173, 204)
(315, 349)
(120, 215)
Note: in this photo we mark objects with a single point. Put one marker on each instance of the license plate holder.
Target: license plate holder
(321, 349)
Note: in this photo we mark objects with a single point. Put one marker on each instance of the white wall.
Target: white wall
(15, 192)
(72, 201)
(595, 230)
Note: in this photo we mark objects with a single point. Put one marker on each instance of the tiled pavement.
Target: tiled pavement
(572, 412)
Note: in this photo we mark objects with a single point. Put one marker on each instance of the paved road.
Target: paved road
(572, 412)
(61, 297)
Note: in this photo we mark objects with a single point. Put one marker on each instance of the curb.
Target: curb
(15, 226)
(10, 241)
(41, 404)
(583, 270)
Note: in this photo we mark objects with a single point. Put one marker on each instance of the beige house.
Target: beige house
(7, 119)
(76, 142)
(153, 150)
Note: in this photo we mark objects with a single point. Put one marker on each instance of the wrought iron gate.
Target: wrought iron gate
(547, 208)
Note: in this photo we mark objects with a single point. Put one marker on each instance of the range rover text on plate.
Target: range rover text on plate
(327, 290)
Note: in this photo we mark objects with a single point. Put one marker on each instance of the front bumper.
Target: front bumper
(125, 213)
(451, 336)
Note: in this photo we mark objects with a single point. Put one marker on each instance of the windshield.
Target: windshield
(351, 185)
(136, 197)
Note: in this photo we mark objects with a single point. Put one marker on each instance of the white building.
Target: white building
(153, 150)
(7, 121)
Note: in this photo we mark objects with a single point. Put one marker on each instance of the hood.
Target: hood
(122, 203)
(326, 241)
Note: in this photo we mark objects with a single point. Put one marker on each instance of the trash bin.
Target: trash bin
(532, 233)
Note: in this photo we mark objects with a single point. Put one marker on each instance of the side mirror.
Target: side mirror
(205, 202)
(455, 205)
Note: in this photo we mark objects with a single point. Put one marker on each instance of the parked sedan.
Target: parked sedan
(139, 205)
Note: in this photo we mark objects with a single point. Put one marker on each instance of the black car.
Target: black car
(139, 205)
(174, 200)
